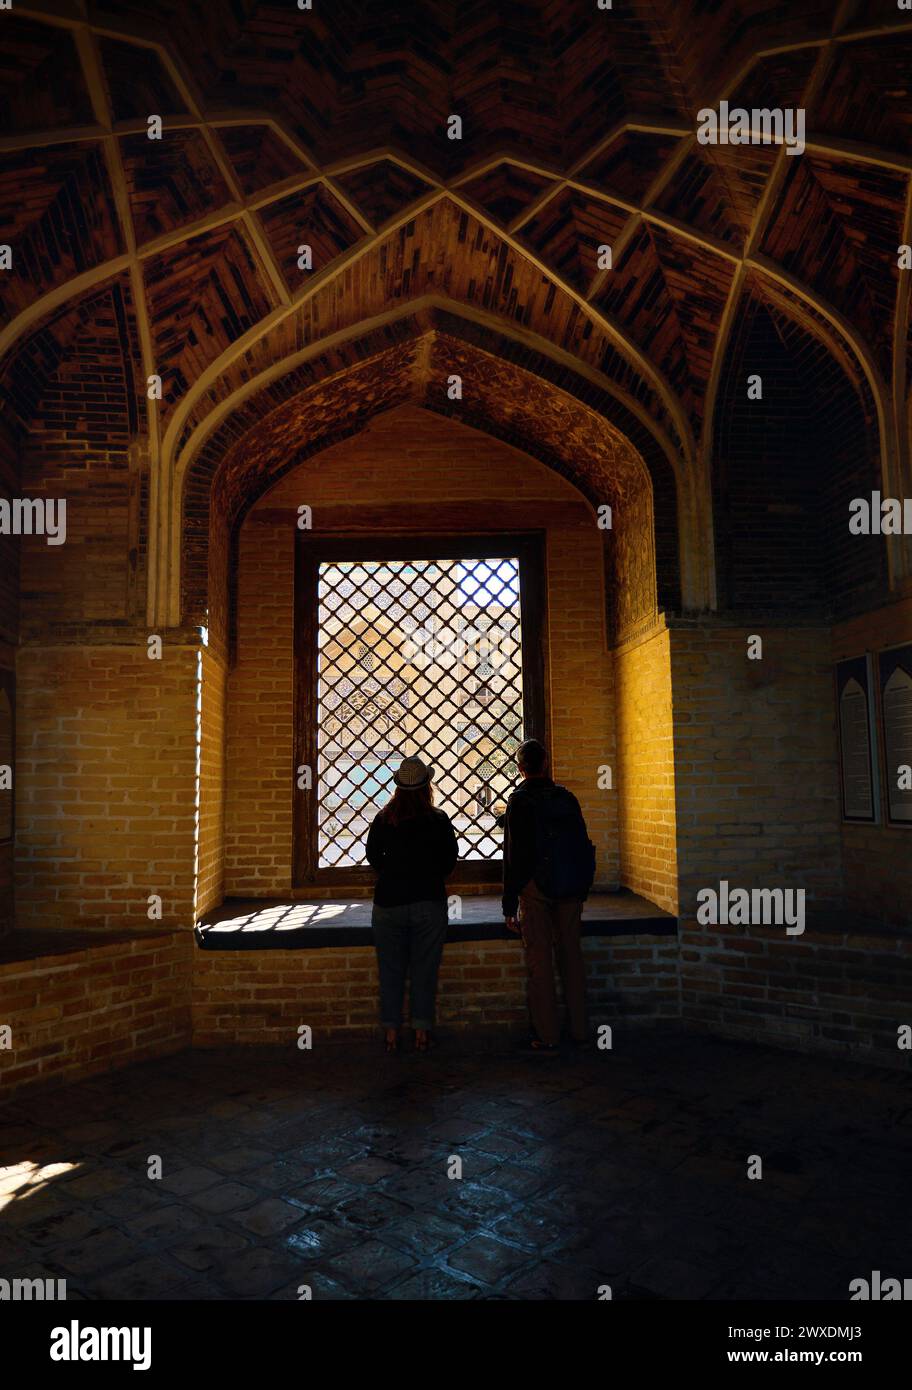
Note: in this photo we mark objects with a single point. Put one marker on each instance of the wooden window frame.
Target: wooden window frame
(528, 547)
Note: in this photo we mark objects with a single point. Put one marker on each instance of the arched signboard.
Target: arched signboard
(895, 670)
(854, 702)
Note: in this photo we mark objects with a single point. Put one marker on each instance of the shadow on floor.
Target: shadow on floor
(330, 1169)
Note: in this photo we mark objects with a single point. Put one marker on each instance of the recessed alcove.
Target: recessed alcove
(307, 331)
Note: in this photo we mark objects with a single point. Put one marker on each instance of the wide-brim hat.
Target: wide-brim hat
(412, 773)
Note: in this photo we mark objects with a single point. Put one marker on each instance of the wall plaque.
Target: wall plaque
(854, 687)
(895, 670)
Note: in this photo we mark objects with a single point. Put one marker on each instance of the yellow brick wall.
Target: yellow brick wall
(87, 1011)
(645, 769)
(258, 723)
(106, 753)
(211, 848)
(264, 996)
(404, 458)
(757, 790)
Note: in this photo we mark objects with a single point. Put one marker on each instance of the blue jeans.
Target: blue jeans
(409, 941)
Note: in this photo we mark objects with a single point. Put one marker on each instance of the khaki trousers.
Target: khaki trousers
(551, 926)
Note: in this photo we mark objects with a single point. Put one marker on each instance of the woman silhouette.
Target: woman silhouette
(413, 848)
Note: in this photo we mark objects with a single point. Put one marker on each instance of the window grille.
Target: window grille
(406, 650)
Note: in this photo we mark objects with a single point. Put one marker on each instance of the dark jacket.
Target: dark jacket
(519, 847)
(412, 859)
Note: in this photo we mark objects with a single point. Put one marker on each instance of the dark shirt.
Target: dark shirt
(519, 847)
(412, 859)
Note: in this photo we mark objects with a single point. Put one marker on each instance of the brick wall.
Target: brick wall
(106, 758)
(766, 498)
(838, 993)
(581, 678)
(645, 778)
(9, 545)
(757, 789)
(758, 804)
(87, 1011)
(9, 636)
(258, 723)
(211, 847)
(877, 858)
(785, 469)
(263, 996)
(87, 411)
(405, 458)
(723, 767)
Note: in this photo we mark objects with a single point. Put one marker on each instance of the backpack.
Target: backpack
(564, 854)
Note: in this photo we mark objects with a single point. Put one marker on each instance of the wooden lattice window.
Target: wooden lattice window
(430, 648)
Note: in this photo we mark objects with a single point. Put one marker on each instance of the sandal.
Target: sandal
(391, 1041)
(424, 1040)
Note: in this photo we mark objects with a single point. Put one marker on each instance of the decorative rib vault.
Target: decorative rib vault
(429, 255)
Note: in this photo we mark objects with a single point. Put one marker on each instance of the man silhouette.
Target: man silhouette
(549, 865)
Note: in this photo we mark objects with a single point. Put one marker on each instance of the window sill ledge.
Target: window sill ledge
(262, 924)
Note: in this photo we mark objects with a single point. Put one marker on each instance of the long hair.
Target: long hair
(409, 803)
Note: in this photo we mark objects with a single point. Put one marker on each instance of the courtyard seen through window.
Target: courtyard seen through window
(416, 656)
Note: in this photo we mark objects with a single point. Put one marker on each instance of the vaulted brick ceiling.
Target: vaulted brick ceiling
(328, 127)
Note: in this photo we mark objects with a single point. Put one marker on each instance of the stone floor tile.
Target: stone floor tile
(434, 1284)
(244, 1158)
(165, 1223)
(488, 1260)
(528, 1228)
(189, 1180)
(316, 1239)
(560, 1282)
(424, 1235)
(322, 1193)
(225, 1197)
(130, 1201)
(474, 1201)
(627, 1170)
(256, 1273)
(102, 1183)
(519, 1182)
(150, 1277)
(369, 1212)
(368, 1170)
(208, 1248)
(270, 1217)
(64, 1226)
(369, 1266)
(94, 1253)
(321, 1287)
